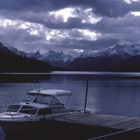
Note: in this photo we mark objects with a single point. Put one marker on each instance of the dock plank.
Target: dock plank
(109, 121)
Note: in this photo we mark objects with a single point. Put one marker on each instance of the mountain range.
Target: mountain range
(122, 56)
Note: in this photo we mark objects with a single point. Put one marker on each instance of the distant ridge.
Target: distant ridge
(123, 56)
(11, 62)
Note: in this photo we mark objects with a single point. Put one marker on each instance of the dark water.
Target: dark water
(107, 94)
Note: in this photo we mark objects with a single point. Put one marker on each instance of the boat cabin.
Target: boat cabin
(41, 102)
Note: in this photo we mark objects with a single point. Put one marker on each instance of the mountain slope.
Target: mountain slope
(10, 62)
(96, 63)
(122, 49)
(57, 59)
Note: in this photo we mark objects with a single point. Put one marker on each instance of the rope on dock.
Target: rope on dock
(115, 133)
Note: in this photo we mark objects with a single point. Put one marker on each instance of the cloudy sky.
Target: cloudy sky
(32, 25)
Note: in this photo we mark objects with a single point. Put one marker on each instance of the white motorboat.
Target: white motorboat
(35, 110)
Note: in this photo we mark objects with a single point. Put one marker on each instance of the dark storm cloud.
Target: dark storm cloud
(70, 24)
(113, 25)
(86, 44)
(121, 28)
(19, 38)
(36, 11)
(110, 8)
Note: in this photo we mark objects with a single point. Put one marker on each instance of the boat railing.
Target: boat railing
(2, 110)
(14, 112)
(32, 112)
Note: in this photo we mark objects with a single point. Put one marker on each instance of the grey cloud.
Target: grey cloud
(110, 8)
(57, 23)
(126, 27)
(36, 11)
(135, 6)
(86, 44)
(70, 24)
(113, 25)
(19, 38)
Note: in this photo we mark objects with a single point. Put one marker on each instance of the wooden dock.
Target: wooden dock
(84, 126)
(111, 121)
(107, 125)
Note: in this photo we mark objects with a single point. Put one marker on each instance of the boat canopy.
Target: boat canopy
(53, 92)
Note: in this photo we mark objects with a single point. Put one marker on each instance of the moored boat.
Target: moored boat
(35, 110)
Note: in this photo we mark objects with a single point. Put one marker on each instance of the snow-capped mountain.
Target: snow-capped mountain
(122, 49)
(56, 59)
(35, 55)
(57, 56)
(52, 57)
(123, 56)
(74, 53)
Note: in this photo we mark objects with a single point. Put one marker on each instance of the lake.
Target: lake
(108, 93)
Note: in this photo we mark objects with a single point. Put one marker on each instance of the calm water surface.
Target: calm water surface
(105, 95)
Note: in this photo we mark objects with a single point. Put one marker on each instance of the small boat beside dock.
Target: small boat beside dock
(32, 112)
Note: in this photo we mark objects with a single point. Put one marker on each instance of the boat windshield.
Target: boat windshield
(28, 110)
(46, 99)
(43, 99)
(28, 98)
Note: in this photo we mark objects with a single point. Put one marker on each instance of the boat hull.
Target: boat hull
(19, 127)
(29, 124)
